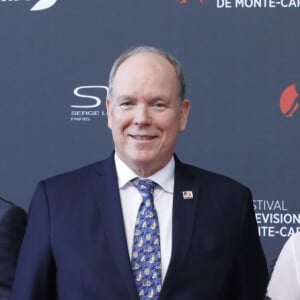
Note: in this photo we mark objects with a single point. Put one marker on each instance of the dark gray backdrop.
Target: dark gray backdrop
(237, 63)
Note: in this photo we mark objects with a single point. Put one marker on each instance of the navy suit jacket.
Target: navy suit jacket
(75, 245)
(13, 221)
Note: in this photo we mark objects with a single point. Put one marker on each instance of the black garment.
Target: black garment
(13, 220)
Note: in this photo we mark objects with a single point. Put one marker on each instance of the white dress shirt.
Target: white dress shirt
(285, 279)
(163, 202)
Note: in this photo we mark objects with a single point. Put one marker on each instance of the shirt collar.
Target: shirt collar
(164, 177)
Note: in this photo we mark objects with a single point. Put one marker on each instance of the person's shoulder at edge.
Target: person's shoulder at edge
(7, 209)
(294, 239)
(13, 221)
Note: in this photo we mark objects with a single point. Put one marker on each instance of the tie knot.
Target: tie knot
(144, 186)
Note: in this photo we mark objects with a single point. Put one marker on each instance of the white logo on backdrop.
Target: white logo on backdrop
(258, 4)
(91, 103)
(275, 219)
(88, 96)
(43, 4)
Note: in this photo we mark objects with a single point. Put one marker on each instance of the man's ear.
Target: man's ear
(184, 113)
(108, 111)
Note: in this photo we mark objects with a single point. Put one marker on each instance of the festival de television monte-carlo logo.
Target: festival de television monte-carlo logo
(250, 3)
(289, 101)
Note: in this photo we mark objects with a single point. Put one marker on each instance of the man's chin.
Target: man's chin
(144, 160)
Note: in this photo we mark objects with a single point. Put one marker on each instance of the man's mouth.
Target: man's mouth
(142, 137)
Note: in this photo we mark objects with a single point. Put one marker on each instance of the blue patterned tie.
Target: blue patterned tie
(146, 260)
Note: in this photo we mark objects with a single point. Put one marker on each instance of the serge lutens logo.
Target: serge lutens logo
(89, 102)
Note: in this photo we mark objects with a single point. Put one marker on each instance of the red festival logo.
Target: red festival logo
(185, 1)
(289, 101)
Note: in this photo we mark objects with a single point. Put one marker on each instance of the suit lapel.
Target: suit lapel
(184, 209)
(111, 212)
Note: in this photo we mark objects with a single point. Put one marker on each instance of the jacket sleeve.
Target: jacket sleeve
(35, 275)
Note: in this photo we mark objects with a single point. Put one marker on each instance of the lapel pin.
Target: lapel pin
(187, 195)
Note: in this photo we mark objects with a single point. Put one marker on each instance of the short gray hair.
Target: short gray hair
(148, 49)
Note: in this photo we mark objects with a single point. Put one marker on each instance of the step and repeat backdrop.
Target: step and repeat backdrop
(242, 64)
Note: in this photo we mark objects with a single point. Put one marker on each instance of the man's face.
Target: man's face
(145, 114)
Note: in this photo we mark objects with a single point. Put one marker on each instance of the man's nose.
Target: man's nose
(142, 115)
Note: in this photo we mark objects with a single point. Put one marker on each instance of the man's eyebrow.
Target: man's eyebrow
(132, 98)
(124, 97)
(158, 99)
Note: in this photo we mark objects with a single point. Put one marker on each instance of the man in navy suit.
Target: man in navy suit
(13, 221)
(79, 240)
